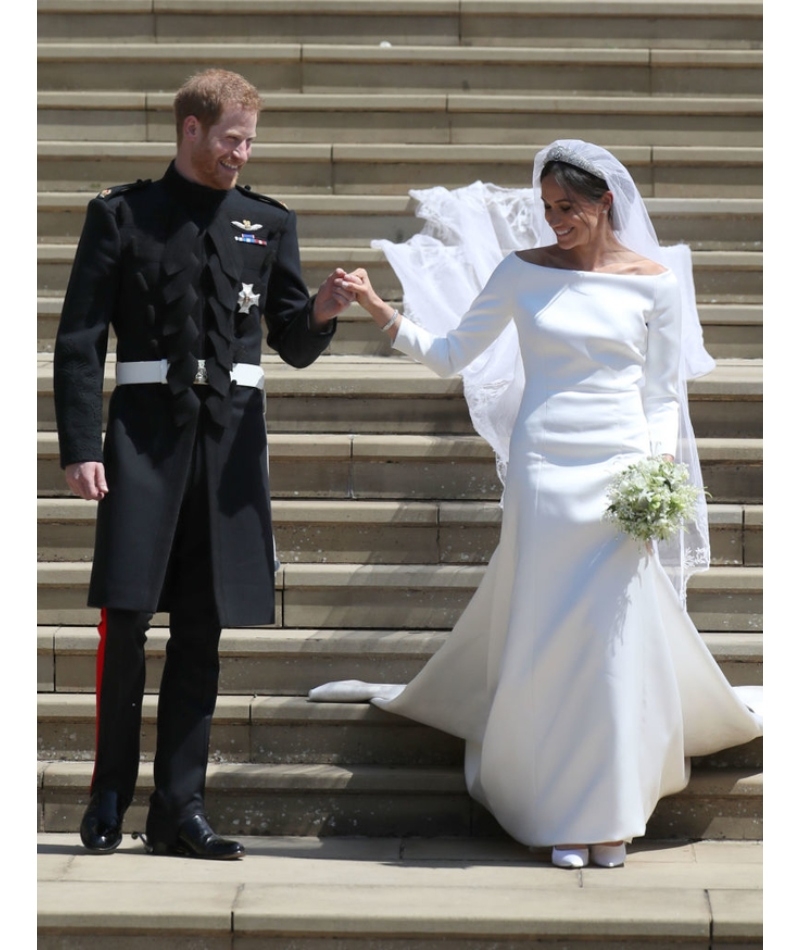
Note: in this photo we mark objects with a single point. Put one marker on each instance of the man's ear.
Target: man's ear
(191, 127)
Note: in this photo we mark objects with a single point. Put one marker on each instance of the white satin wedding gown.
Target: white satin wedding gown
(575, 676)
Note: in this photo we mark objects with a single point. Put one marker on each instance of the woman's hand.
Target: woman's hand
(358, 282)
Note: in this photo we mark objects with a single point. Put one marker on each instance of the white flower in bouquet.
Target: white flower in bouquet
(651, 499)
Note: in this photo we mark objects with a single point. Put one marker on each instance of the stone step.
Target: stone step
(685, 24)
(282, 729)
(352, 68)
(363, 394)
(417, 468)
(667, 165)
(730, 331)
(466, 118)
(266, 661)
(721, 224)
(426, 597)
(329, 800)
(385, 532)
(719, 276)
(356, 893)
(285, 730)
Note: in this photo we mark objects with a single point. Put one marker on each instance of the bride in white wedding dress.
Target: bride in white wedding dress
(575, 675)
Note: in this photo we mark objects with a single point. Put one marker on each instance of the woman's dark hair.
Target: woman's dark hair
(578, 183)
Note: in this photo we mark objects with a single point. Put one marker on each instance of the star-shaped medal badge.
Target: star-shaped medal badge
(247, 298)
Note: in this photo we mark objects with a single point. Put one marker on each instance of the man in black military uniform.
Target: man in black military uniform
(183, 269)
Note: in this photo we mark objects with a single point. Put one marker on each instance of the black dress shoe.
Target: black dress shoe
(101, 827)
(197, 839)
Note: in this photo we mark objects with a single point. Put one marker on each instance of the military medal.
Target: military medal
(247, 298)
(248, 238)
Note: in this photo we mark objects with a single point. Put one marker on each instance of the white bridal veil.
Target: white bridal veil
(468, 231)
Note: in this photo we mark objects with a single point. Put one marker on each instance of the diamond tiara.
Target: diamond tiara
(562, 153)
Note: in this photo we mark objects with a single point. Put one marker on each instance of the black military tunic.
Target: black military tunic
(181, 272)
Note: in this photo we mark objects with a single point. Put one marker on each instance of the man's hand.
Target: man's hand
(332, 298)
(87, 480)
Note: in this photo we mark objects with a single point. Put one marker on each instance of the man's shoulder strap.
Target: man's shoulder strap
(248, 192)
(122, 189)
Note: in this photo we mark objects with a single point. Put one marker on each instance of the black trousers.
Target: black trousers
(188, 691)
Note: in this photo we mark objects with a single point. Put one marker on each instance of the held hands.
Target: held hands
(332, 298)
(341, 289)
(358, 283)
(87, 480)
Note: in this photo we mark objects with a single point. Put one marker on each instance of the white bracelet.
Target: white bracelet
(392, 320)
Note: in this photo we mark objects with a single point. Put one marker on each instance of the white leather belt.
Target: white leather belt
(155, 371)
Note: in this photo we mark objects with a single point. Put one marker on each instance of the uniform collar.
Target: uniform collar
(191, 194)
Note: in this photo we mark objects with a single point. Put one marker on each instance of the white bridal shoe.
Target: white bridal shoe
(608, 855)
(570, 857)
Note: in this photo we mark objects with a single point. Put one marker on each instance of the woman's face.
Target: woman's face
(576, 221)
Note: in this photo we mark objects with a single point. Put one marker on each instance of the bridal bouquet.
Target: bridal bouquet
(650, 500)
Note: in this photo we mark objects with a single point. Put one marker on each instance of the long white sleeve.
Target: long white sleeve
(448, 355)
(660, 393)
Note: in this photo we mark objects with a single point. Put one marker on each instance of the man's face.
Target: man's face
(214, 156)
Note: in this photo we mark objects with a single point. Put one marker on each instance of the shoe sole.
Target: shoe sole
(176, 851)
(109, 850)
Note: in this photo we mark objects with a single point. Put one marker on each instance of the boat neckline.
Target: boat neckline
(575, 270)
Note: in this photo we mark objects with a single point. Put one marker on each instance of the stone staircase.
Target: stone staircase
(385, 501)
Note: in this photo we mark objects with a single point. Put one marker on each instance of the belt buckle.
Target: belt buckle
(201, 376)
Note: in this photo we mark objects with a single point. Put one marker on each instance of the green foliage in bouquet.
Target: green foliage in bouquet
(650, 500)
